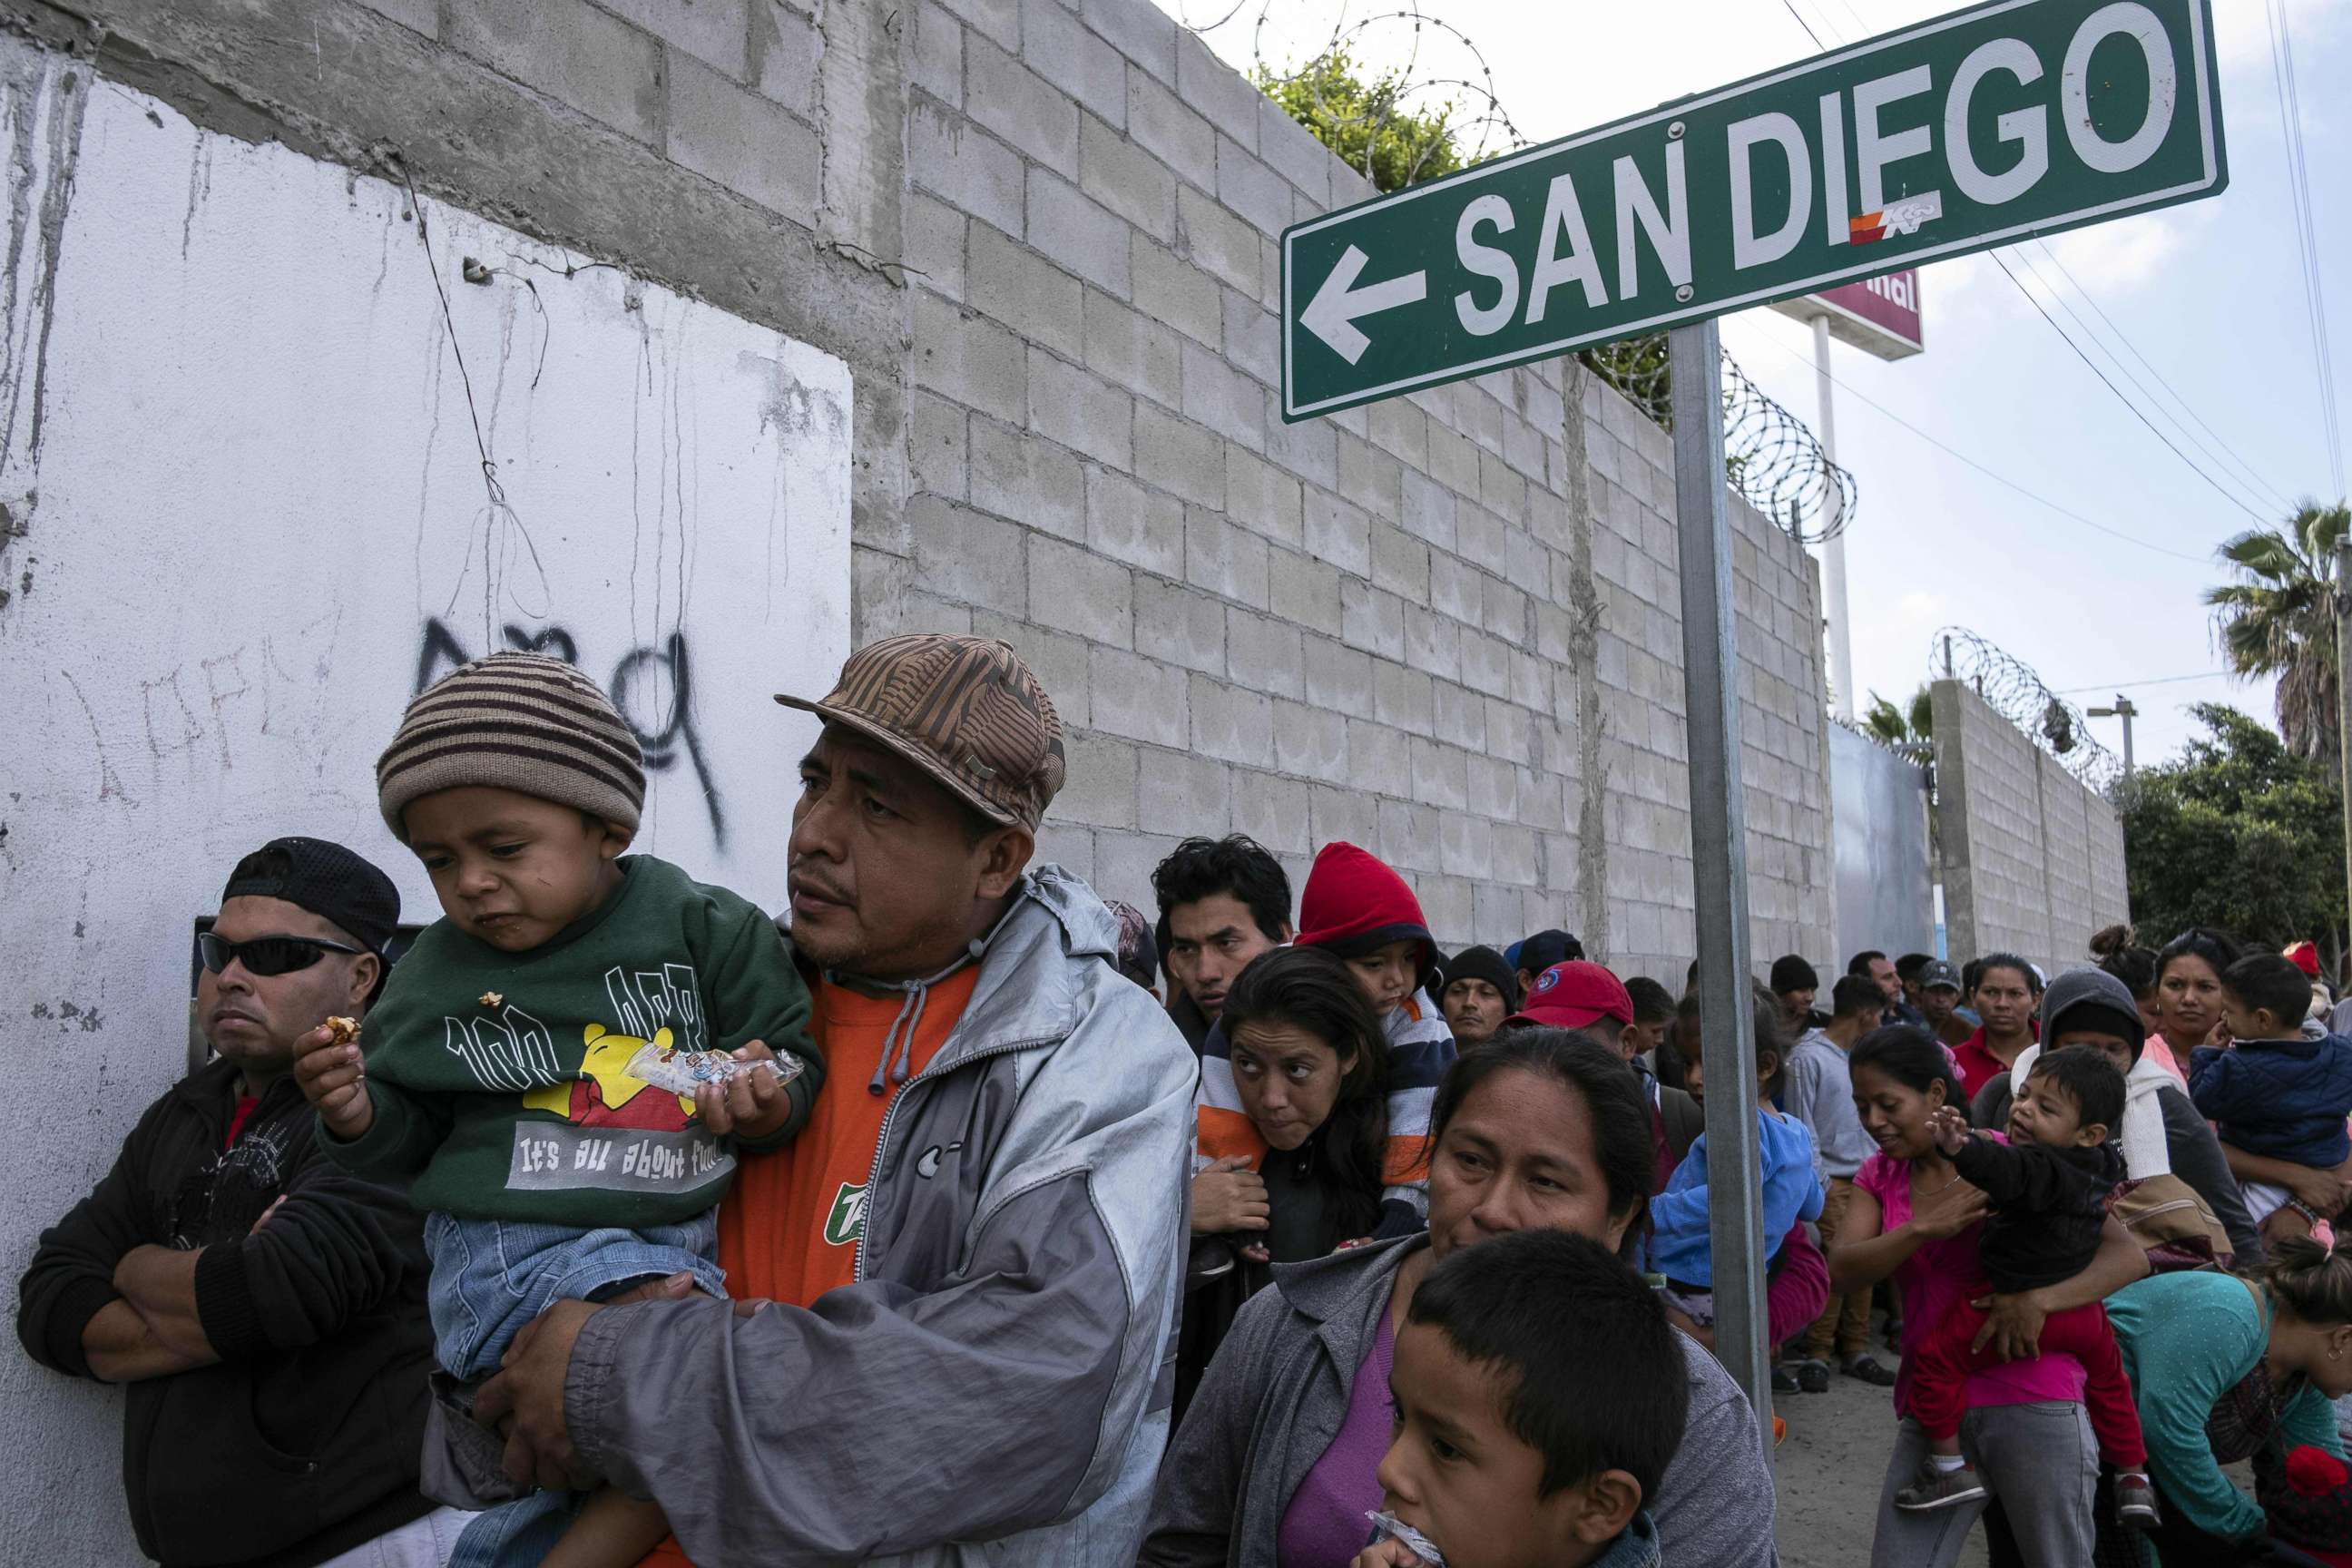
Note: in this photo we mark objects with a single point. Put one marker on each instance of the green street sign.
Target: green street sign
(2016, 118)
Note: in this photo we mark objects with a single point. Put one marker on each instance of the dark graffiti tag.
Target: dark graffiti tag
(635, 689)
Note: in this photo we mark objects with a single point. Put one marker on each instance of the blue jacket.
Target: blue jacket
(2285, 1099)
(1678, 1244)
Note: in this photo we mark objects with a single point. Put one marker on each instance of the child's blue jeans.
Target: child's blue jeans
(491, 1277)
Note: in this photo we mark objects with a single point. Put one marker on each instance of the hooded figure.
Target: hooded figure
(2168, 1147)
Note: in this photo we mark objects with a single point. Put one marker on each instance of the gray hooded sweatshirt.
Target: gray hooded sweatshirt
(2193, 1151)
(994, 1388)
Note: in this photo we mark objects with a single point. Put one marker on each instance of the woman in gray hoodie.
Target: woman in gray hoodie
(1540, 1128)
(2162, 1131)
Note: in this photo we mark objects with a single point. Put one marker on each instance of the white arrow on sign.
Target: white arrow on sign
(1331, 315)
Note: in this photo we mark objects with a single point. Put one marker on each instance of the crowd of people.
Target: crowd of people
(956, 1214)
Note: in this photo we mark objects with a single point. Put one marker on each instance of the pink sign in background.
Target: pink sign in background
(1890, 303)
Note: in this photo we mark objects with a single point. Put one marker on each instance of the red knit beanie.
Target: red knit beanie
(2304, 956)
(2313, 1510)
(1353, 903)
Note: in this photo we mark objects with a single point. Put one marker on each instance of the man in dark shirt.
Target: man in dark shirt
(265, 1311)
(1222, 901)
(1880, 969)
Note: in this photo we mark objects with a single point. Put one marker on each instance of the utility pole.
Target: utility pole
(2124, 710)
(2344, 691)
(1833, 546)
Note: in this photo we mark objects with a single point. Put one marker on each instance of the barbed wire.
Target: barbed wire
(2014, 691)
(1401, 91)
(1771, 457)
(1778, 465)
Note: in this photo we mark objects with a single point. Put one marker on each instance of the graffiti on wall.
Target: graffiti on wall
(652, 685)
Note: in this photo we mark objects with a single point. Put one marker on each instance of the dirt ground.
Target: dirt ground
(1830, 1468)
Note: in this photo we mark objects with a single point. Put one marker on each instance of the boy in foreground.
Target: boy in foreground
(1516, 1445)
(543, 1058)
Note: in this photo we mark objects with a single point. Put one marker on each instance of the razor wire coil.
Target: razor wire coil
(1771, 457)
(2009, 685)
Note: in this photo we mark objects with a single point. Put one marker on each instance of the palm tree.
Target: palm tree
(2280, 620)
(1909, 730)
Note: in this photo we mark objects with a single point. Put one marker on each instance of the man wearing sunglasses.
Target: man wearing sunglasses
(264, 1309)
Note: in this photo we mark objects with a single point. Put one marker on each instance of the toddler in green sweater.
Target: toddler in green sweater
(547, 1060)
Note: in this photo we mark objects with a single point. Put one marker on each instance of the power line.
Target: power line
(1807, 27)
(2135, 685)
(1858, 22)
(2104, 380)
(2298, 161)
(2264, 488)
(2071, 343)
(1997, 479)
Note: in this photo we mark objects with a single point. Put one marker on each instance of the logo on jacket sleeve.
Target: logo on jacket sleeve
(846, 1223)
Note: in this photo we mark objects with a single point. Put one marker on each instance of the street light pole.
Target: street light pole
(1832, 524)
(2124, 710)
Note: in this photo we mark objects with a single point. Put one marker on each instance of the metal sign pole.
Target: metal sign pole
(1719, 865)
(2344, 691)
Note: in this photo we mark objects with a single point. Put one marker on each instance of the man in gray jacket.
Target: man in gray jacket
(956, 1291)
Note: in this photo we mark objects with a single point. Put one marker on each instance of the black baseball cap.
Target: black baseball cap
(330, 881)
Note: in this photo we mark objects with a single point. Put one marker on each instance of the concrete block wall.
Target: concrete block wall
(1361, 627)
(2033, 860)
(2110, 895)
(1042, 236)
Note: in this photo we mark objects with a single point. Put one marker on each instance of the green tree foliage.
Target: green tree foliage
(2240, 833)
(1909, 729)
(2279, 619)
(1366, 123)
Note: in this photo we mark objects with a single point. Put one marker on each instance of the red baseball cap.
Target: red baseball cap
(1573, 994)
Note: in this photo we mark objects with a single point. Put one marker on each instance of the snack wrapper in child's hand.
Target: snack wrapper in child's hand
(1388, 1527)
(682, 1072)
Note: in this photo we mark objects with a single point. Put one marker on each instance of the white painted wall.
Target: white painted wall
(243, 455)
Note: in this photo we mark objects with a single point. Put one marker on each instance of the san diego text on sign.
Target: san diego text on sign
(2014, 118)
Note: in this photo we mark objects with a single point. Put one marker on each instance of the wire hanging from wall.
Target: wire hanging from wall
(2009, 685)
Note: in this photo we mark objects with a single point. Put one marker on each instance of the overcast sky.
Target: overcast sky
(2209, 292)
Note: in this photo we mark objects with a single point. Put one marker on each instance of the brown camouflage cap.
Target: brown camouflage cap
(967, 711)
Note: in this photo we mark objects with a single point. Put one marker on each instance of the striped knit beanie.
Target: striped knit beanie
(520, 721)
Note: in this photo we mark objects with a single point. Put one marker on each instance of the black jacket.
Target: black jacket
(2048, 1208)
(1308, 1216)
(2190, 1149)
(1191, 1022)
(302, 1441)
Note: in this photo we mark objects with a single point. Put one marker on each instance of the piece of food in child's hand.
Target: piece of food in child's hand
(682, 1072)
(342, 1031)
(1388, 1527)
(492, 998)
